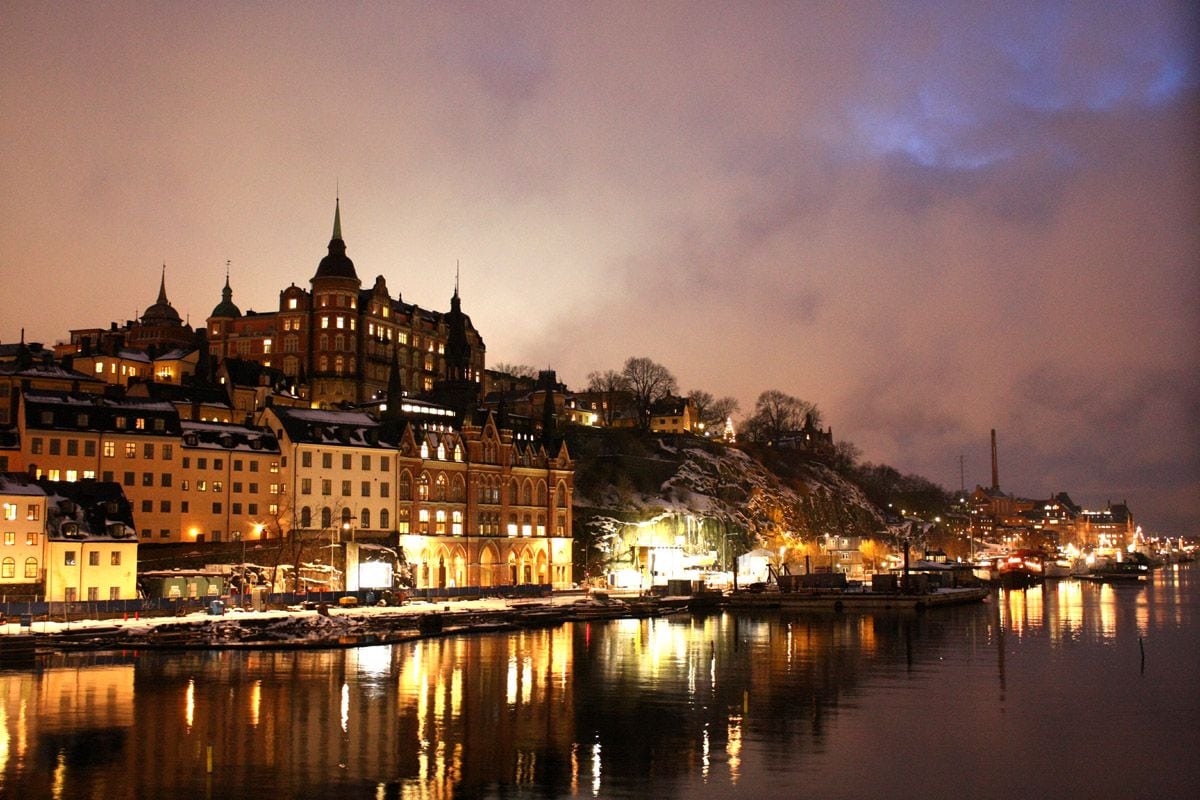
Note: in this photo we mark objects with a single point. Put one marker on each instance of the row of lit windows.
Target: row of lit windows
(338, 321)
(69, 475)
(32, 511)
(10, 538)
(126, 371)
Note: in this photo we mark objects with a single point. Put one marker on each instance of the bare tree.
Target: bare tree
(712, 412)
(845, 456)
(608, 384)
(777, 413)
(722, 409)
(701, 401)
(648, 381)
(515, 370)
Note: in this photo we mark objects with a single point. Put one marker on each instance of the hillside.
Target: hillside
(633, 488)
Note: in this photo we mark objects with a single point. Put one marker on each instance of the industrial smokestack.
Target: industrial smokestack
(995, 465)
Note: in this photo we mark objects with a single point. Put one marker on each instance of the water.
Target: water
(1036, 693)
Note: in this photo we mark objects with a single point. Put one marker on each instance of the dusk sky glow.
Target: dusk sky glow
(931, 219)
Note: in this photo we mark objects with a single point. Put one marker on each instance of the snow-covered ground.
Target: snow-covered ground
(146, 624)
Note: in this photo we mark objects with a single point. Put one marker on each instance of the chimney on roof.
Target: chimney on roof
(995, 465)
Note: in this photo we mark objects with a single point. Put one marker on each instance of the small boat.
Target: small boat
(1119, 572)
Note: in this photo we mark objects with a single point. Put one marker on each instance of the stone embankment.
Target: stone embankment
(328, 626)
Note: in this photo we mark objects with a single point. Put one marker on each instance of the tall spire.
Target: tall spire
(336, 264)
(162, 286)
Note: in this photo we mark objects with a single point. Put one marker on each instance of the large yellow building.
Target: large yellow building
(22, 535)
(186, 481)
(91, 547)
(471, 507)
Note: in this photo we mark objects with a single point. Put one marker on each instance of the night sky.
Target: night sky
(931, 219)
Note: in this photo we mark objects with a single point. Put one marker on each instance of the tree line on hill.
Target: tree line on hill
(776, 414)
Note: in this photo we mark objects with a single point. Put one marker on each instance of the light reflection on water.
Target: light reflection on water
(753, 705)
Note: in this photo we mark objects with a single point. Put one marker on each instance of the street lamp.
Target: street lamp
(333, 532)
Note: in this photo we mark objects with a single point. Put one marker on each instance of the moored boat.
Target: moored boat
(1020, 569)
(1120, 572)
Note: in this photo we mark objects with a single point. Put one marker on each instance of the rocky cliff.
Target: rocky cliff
(637, 490)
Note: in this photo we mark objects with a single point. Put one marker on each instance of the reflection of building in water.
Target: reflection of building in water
(426, 718)
(64, 723)
(510, 722)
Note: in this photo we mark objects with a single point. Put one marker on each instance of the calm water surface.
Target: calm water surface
(1036, 693)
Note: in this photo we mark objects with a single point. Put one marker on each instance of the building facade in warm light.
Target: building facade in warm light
(91, 546)
(229, 482)
(339, 339)
(16, 378)
(1110, 528)
(22, 535)
(73, 438)
(469, 507)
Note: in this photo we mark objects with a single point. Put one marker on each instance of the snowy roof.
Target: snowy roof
(175, 355)
(338, 428)
(19, 485)
(224, 436)
(88, 510)
(62, 411)
(46, 371)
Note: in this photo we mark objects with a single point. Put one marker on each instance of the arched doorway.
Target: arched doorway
(487, 563)
(459, 571)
